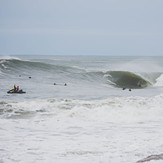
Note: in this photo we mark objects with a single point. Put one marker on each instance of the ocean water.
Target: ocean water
(110, 111)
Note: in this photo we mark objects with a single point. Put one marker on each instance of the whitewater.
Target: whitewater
(109, 111)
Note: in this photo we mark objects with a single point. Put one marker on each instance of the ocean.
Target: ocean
(99, 109)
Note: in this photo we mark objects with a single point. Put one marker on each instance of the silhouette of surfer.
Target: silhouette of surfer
(60, 84)
(125, 88)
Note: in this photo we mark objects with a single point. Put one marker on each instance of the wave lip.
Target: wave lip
(125, 79)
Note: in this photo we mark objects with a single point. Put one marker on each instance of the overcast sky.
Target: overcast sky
(81, 27)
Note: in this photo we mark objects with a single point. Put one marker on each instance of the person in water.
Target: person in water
(15, 88)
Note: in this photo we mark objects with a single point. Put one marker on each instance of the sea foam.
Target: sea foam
(110, 110)
(159, 81)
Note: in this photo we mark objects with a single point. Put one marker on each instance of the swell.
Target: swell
(15, 65)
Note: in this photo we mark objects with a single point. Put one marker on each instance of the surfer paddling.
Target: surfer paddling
(60, 84)
(125, 88)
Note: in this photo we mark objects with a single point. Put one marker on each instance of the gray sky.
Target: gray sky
(81, 27)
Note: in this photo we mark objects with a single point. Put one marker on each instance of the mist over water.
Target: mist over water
(89, 119)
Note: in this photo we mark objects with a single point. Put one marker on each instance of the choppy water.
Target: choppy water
(91, 119)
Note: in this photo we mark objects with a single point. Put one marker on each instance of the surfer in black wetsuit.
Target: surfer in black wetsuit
(125, 88)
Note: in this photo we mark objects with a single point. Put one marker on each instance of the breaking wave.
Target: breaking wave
(124, 79)
(120, 79)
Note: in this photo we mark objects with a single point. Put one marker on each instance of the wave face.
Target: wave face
(15, 65)
(124, 79)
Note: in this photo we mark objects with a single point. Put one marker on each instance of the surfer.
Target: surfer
(60, 84)
(125, 88)
(139, 84)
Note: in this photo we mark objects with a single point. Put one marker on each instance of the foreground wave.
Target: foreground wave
(113, 110)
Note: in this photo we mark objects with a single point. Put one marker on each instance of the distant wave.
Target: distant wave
(21, 64)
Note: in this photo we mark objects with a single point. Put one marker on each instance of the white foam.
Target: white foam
(159, 81)
(1, 73)
(9, 58)
(115, 110)
(82, 131)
